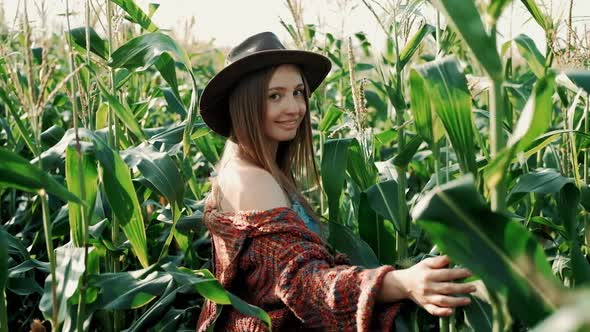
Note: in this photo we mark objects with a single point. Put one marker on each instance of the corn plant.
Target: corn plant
(441, 142)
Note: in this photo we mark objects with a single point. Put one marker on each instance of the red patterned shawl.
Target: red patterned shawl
(271, 260)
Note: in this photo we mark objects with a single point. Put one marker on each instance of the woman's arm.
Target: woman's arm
(429, 285)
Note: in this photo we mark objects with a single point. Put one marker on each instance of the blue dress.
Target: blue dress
(309, 222)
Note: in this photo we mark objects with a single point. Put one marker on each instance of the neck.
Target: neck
(273, 147)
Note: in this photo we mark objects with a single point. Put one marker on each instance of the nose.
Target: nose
(294, 105)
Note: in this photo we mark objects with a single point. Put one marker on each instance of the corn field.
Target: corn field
(444, 142)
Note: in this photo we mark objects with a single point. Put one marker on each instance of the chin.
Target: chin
(284, 136)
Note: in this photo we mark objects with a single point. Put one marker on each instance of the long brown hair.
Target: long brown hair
(294, 166)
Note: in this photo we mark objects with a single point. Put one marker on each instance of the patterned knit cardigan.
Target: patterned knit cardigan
(271, 260)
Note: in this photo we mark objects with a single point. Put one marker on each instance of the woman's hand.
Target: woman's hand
(428, 284)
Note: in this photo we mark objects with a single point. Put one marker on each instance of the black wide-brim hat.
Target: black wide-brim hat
(257, 52)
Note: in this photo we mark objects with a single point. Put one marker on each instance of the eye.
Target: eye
(274, 96)
(299, 92)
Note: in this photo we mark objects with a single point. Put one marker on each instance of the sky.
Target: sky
(228, 22)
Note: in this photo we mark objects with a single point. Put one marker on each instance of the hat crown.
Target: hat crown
(264, 41)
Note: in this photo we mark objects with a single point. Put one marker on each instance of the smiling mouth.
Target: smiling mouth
(288, 124)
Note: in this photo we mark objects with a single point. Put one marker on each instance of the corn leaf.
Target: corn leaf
(535, 119)
(158, 168)
(496, 7)
(543, 20)
(466, 21)
(376, 232)
(3, 274)
(88, 167)
(412, 46)
(527, 48)
(70, 267)
(17, 172)
(136, 15)
(122, 112)
(122, 198)
(509, 260)
(345, 241)
(427, 124)
(333, 173)
(329, 119)
(568, 200)
(446, 87)
(98, 45)
(580, 78)
(384, 200)
(363, 173)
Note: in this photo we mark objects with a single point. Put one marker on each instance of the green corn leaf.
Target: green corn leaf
(174, 104)
(363, 173)
(495, 9)
(122, 112)
(23, 131)
(329, 119)
(70, 267)
(145, 50)
(376, 232)
(26, 266)
(118, 188)
(206, 145)
(580, 78)
(403, 158)
(509, 259)
(122, 197)
(479, 315)
(98, 45)
(156, 310)
(52, 135)
(17, 172)
(384, 199)
(466, 21)
(167, 68)
(543, 20)
(534, 120)
(158, 168)
(90, 177)
(3, 275)
(447, 88)
(152, 8)
(129, 290)
(333, 173)
(427, 123)
(205, 283)
(346, 241)
(136, 15)
(568, 200)
(527, 48)
(541, 181)
(412, 46)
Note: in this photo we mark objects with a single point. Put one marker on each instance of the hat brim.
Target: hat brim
(214, 103)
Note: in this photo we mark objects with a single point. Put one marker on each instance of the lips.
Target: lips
(288, 124)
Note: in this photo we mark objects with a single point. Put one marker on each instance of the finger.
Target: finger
(437, 262)
(438, 311)
(449, 274)
(449, 288)
(449, 301)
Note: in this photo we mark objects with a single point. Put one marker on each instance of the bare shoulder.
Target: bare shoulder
(247, 187)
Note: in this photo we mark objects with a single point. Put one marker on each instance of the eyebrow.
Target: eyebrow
(283, 88)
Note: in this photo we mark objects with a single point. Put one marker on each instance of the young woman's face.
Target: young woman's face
(285, 104)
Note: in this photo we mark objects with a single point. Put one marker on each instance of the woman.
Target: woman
(267, 241)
